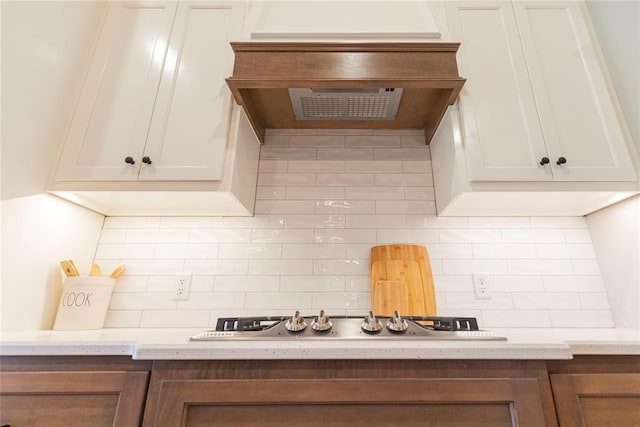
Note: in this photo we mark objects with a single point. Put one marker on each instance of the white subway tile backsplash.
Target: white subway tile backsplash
(186, 250)
(157, 235)
(499, 222)
(282, 236)
(375, 193)
(544, 267)
(191, 222)
(430, 221)
(316, 141)
(113, 235)
(306, 166)
(131, 222)
(405, 153)
(453, 235)
(341, 266)
(345, 179)
(540, 301)
(285, 207)
(217, 267)
(503, 251)
(566, 251)
(123, 319)
(410, 236)
(405, 206)
(119, 251)
(250, 251)
(581, 319)
(516, 318)
(315, 221)
(247, 284)
(315, 193)
(217, 300)
(271, 193)
(281, 300)
(558, 222)
(417, 166)
(373, 141)
(271, 179)
(281, 267)
(419, 193)
(257, 221)
(376, 221)
(219, 236)
(344, 206)
(324, 199)
(573, 284)
(313, 251)
(174, 319)
(384, 166)
(594, 300)
(279, 153)
(353, 153)
(312, 284)
(338, 235)
(404, 179)
(273, 165)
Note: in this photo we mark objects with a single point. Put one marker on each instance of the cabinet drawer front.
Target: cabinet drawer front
(113, 113)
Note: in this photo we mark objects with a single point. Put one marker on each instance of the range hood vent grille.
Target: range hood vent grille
(345, 104)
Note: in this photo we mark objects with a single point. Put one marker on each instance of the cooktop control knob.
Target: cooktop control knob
(397, 323)
(371, 324)
(321, 323)
(296, 323)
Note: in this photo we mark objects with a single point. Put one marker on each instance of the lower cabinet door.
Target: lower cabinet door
(73, 398)
(349, 402)
(598, 400)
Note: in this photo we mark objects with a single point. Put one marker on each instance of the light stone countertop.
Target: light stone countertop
(173, 344)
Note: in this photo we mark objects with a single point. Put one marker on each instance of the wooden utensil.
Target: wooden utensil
(401, 279)
(69, 268)
(95, 270)
(117, 272)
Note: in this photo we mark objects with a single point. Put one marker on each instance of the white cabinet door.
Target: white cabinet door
(502, 134)
(112, 117)
(578, 117)
(188, 135)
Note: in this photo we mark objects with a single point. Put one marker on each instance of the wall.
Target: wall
(616, 237)
(45, 47)
(324, 199)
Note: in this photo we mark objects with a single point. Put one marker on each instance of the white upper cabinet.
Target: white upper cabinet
(536, 106)
(155, 105)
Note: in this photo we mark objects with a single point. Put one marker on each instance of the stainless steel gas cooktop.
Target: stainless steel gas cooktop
(396, 327)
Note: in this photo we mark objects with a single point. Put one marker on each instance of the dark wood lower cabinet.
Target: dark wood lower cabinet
(349, 393)
(591, 391)
(70, 391)
(597, 392)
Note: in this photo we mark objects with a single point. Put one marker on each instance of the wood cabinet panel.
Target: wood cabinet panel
(72, 391)
(598, 400)
(381, 393)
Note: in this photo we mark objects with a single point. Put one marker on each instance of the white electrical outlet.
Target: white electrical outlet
(481, 286)
(183, 287)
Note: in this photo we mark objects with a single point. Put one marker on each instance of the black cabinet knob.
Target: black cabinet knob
(561, 161)
(544, 161)
(146, 160)
(129, 160)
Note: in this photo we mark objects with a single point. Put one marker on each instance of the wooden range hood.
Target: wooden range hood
(264, 71)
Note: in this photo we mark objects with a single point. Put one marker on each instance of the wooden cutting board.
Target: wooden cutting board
(401, 279)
